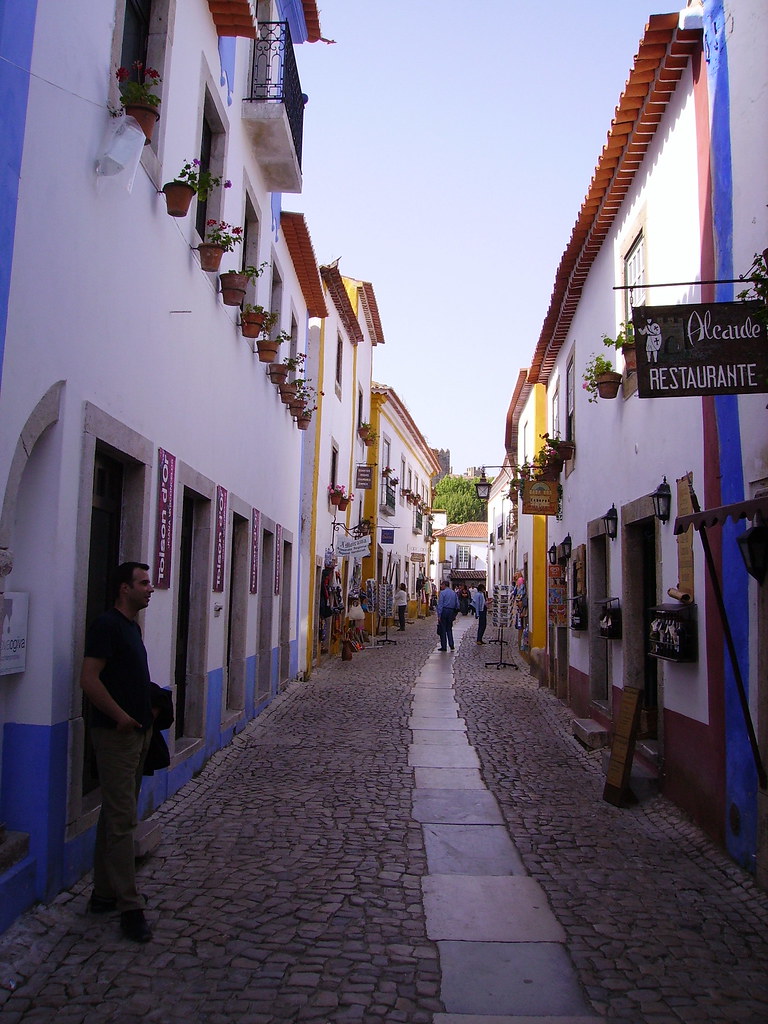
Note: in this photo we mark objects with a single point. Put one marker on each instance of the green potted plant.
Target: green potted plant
(565, 449)
(336, 492)
(600, 378)
(307, 396)
(137, 97)
(188, 184)
(220, 237)
(370, 438)
(234, 282)
(363, 430)
(624, 342)
(255, 320)
(279, 372)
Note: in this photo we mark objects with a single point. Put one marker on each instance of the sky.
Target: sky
(447, 150)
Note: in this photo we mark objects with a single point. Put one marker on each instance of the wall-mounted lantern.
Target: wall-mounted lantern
(611, 522)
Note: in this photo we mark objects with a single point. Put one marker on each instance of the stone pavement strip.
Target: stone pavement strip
(408, 837)
(502, 952)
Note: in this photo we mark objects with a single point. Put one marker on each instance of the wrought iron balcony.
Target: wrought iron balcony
(274, 111)
(388, 500)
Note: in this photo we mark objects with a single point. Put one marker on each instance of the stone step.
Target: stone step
(591, 733)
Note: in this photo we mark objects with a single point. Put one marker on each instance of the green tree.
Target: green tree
(458, 497)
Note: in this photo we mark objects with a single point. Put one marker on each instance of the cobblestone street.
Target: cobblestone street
(288, 883)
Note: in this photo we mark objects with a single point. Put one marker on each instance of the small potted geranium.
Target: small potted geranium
(600, 378)
(234, 283)
(336, 492)
(220, 237)
(190, 183)
(278, 372)
(624, 342)
(137, 97)
(255, 321)
(308, 396)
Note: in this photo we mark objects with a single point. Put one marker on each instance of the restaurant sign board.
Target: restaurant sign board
(715, 348)
(540, 498)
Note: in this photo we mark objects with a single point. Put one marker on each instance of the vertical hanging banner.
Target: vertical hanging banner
(716, 348)
(166, 485)
(219, 559)
(278, 557)
(255, 548)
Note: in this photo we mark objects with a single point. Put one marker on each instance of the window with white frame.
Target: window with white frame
(463, 556)
(634, 276)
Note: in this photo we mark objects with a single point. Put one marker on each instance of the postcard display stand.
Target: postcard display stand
(386, 609)
(503, 610)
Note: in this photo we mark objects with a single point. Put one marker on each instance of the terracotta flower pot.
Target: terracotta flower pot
(303, 420)
(267, 349)
(343, 504)
(335, 497)
(146, 116)
(630, 358)
(210, 256)
(608, 384)
(287, 391)
(369, 442)
(178, 198)
(363, 432)
(252, 324)
(233, 288)
(567, 449)
(278, 373)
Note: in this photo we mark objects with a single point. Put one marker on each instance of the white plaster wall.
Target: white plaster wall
(108, 295)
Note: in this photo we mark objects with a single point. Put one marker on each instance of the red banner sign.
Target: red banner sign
(220, 557)
(166, 482)
(255, 548)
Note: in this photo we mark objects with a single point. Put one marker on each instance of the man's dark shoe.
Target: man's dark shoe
(101, 904)
(134, 926)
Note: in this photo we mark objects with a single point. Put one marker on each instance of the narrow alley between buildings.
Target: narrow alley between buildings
(410, 836)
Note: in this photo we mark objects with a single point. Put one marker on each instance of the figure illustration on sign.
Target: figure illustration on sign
(652, 331)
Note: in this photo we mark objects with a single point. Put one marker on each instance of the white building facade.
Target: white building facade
(138, 422)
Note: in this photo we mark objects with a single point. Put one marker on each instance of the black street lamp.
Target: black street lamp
(662, 501)
(611, 522)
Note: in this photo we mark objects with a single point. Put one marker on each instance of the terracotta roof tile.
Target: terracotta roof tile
(296, 233)
(234, 17)
(335, 285)
(371, 310)
(312, 20)
(463, 531)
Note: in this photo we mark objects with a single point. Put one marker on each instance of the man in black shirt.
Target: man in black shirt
(115, 678)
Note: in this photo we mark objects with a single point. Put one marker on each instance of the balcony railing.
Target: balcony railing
(388, 500)
(276, 93)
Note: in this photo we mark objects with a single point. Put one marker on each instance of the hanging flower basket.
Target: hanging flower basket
(297, 405)
(267, 350)
(178, 198)
(210, 256)
(608, 384)
(252, 324)
(335, 497)
(146, 117)
(303, 420)
(567, 449)
(288, 390)
(278, 373)
(233, 287)
(343, 504)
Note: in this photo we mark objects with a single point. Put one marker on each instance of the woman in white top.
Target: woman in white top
(400, 602)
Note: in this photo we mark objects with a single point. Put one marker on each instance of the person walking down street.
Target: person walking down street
(115, 679)
(401, 603)
(481, 611)
(472, 592)
(447, 610)
(464, 599)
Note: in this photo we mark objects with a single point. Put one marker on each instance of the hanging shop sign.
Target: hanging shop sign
(255, 549)
(540, 498)
(716, 348)
(353, 546)
(221, 539)
(166, 482)
(387, 536)
(364, 478)
(278, 557)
